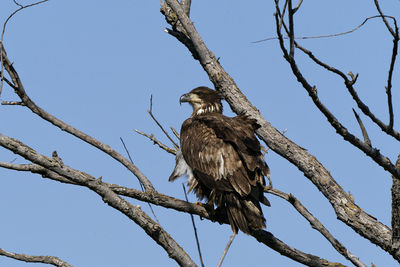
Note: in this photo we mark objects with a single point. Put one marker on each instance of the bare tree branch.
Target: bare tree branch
(271, 241)
(186, 6)
(135, 213)
(384, 19)
(175, 132)
(141, 185)
(298, 6)
(157, 142)
(194, 229)
(228, 245)
(150, 111)
(373, 153)
(317, 225)
(367, 141)
(396, 211)
(179, 205)
(20, 91)
(2, 36)
(36, 259)
(319, 36)
(345, 208)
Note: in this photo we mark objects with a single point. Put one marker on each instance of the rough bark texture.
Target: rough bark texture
(396, 212)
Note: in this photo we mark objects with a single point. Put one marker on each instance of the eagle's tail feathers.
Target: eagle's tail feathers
(244, 214)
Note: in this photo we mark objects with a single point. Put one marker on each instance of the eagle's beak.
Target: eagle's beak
(184, 98)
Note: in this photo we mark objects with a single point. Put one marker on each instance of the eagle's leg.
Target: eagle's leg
(209, 206)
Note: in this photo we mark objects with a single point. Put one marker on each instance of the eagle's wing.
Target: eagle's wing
(224, 153)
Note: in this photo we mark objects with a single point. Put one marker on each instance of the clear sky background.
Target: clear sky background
(94, 64)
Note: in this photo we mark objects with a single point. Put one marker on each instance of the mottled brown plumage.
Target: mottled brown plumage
(223, 161)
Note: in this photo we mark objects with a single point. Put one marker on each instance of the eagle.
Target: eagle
(222, 160)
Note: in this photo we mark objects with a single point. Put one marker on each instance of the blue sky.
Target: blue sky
(94, 64)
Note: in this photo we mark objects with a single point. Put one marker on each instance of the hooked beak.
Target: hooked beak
(184, 98)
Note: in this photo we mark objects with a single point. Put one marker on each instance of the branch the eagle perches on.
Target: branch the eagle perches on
(182, 28)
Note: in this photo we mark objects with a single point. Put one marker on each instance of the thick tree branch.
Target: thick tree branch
(271, 241)
(396, 212)
(35, 259)
(136, 214)
(20, 91)
(345, 208)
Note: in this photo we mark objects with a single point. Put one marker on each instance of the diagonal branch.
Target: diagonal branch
(20, 91)
(316, 224)
(367, 141)
(345, 208)
(2, 36)
(35, 259)
(186, 6)
(135, 213)
(150, 111)
(384, 19)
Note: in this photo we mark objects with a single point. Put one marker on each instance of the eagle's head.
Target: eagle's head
(203, 100)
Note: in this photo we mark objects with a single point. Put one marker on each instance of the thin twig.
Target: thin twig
(18, 4)
(390, 75)
(363, 130)
(194, 229)
(226, 249)
(12, 103)
(141, 185)
(150, 111)
(298, 6)
(395, 34)
(35, 259)
(157, 142)
(175, 132)
(322, 36)
(291, 29)
(384, 19)
(283, 12)
(2, 36)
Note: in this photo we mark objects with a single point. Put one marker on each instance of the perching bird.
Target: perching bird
(222, 159)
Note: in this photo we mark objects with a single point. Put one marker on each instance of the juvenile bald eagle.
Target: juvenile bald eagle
(223, 161)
